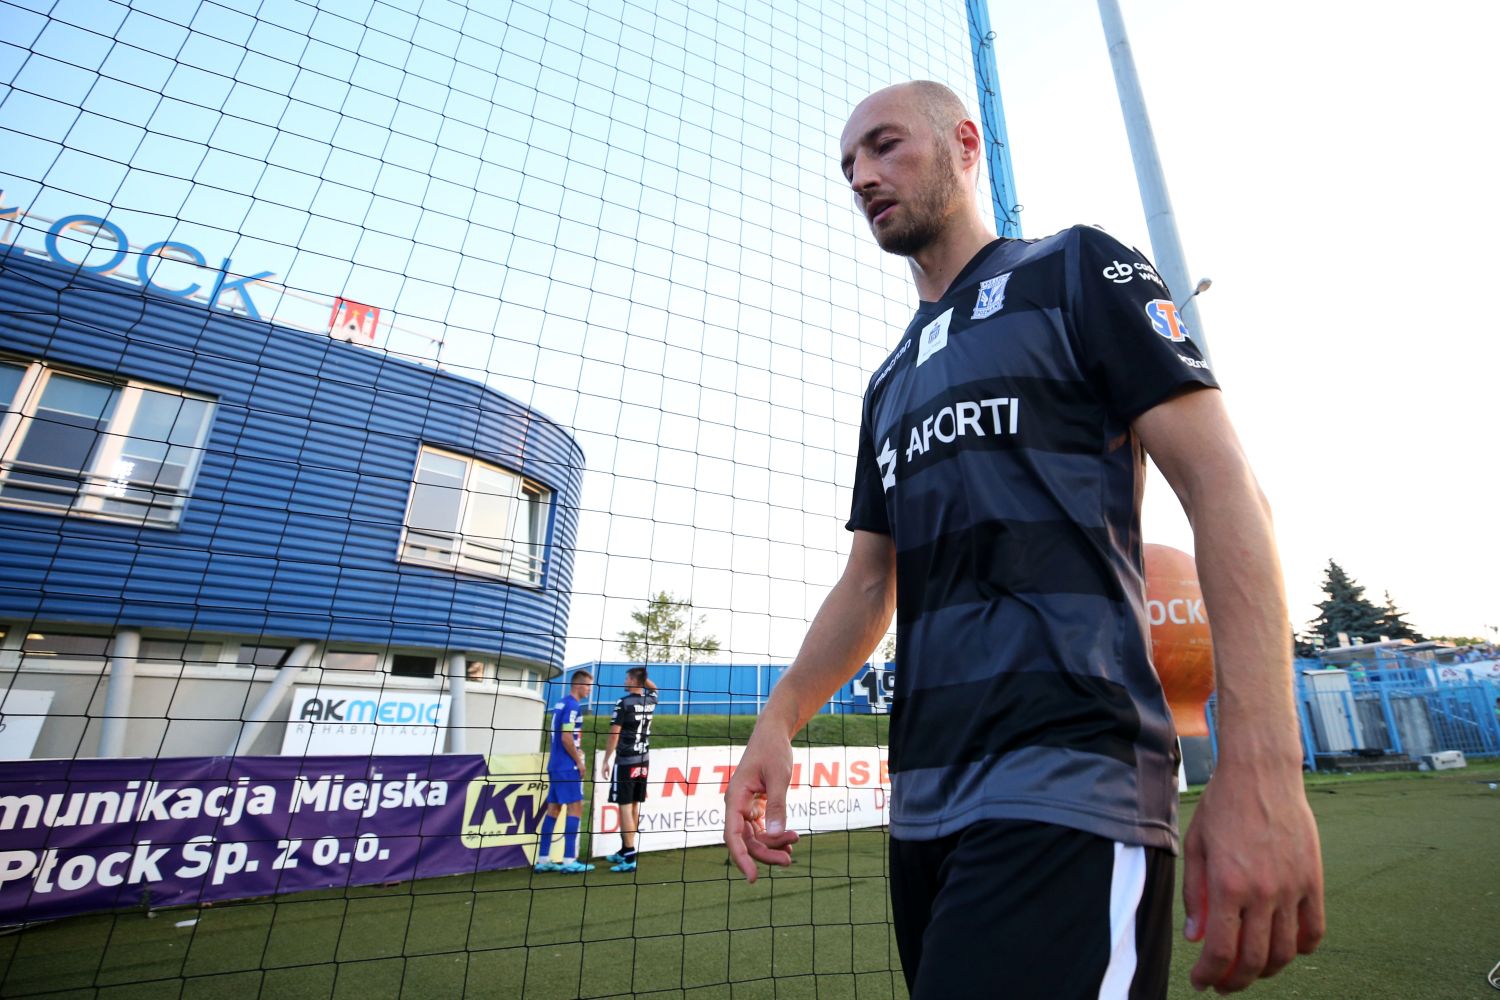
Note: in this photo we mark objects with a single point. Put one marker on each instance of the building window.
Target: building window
(179, 652)
(66, 646)
(474, 517)
(349, 660)
(80, 444)
(262, 656)
(404, 665)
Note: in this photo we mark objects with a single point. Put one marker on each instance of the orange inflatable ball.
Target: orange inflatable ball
(1181, 646)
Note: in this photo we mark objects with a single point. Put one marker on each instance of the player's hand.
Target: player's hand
(1253, 877)
(755, 805)
(606, 767)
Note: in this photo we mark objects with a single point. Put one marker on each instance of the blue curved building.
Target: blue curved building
(199, 499)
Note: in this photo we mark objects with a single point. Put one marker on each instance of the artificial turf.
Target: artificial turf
(1413, 895)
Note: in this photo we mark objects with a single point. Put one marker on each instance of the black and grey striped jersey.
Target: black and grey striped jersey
(997, 451)
(633, 715)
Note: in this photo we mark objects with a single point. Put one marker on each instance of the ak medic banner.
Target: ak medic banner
(833, 788)
(79, 836)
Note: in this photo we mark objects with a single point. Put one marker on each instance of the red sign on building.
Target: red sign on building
(353, 321)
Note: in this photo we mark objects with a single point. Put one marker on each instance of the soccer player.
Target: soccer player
(996, 509)
(565, 769)
(630, 730)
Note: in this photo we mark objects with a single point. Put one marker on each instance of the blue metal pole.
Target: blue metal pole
(1392, 732)
(992, 118)
(1350, 713)
(1166, 246)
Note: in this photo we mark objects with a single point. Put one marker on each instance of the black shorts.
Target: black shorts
(628, 784)
(1014, 909)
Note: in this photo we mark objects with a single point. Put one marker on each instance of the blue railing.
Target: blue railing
(1392, 708)
(708, 688)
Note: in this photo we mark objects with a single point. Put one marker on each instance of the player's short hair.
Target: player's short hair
(581, 675)
(635, 675)
(940, 106)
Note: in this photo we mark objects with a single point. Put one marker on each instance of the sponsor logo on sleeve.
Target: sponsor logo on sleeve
(1123, 272)
(887, 460)
(1165, 320)
(991, 297)
(934, 337)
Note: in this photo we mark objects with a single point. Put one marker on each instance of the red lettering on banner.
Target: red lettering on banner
(725, 772)
(609, 820)
(859, 773)
(687, 784)
(825, 774)
(885, 772)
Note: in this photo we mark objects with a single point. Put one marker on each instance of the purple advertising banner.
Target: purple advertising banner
(78, 836)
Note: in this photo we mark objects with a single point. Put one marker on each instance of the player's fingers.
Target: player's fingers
(734, 840)
(1254, 947)
(1310, 926)
(785, 839)
(766, 854)
(741, 812)
(1221, 939)
(776, 810)
(1283, 941)
(1194, 888)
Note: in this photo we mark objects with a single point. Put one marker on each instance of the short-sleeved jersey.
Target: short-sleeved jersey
(633, 715)
(567, 724)
(997, 451)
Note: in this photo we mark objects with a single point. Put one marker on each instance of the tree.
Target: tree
(667, 633)
(1393, 623)
(1347, 609)
(1460, 640)
(888, 649)
(1302, 646)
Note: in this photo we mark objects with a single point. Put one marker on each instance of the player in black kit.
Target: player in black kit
(996, 511)
(630, 731)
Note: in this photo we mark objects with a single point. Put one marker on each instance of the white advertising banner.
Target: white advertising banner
(326, 721)
(833, 788)
(1460, 673)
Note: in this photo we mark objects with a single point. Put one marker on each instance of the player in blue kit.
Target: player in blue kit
(565, 770)
(996, 511)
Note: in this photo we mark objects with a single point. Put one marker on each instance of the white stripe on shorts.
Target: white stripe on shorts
(1126, 886)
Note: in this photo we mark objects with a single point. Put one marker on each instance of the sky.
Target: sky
(628, 215)
(1330, 166)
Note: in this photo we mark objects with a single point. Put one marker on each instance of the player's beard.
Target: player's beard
(926, 214)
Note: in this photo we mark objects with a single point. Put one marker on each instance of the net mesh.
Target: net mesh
(374, 353)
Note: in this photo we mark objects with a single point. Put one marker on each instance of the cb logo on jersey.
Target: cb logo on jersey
(1164, 320)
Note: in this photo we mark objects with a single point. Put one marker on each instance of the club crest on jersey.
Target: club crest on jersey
(991, 296)
(1165, 320)
(934, 337)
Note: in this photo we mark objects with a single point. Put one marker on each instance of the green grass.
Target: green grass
(1413, 912)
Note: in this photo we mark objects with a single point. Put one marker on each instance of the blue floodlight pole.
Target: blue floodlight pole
(1166, 247)
(992, 118)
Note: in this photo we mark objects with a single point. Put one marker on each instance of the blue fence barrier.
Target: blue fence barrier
(1395, 708)
(725, 688)
(1392, 707)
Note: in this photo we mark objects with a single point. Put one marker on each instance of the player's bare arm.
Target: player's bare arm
(574, 751)
(609, 750)
(1253, 879)
(844, 632)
